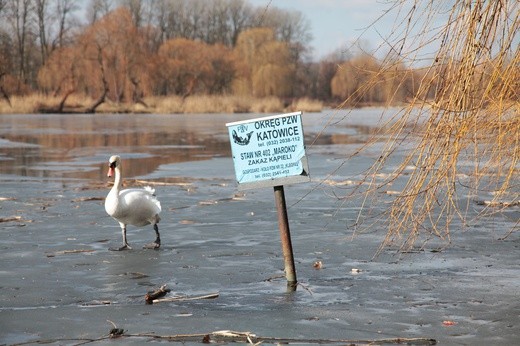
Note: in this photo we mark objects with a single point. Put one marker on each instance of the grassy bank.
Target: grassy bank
(160, 105)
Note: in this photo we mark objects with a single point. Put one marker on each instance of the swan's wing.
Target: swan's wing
(143, 199)
(137, 207)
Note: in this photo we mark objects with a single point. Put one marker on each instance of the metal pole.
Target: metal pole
(285, 236)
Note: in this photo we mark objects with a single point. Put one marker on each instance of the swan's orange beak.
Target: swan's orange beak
(110, 172)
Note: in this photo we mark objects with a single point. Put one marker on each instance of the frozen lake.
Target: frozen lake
(60, 283)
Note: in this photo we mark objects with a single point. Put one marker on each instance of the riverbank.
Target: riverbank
(37, 103)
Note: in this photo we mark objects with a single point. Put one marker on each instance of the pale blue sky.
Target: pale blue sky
(336, 24)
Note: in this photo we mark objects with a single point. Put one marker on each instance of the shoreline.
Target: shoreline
(209, 104)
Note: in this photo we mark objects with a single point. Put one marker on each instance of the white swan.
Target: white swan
(137, 207)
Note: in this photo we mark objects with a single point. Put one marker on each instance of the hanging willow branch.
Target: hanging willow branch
(465, 109)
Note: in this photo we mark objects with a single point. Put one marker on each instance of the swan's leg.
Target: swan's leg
(125, 242)
(157, 243)
(157, 235)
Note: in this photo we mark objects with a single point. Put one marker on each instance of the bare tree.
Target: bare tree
(142, 11)
(136, 8)
(240, 18)
(41, 14)
(19, 15)
(97, 9)
(3, 4)
(64, 10)
(216, 22)
(54, 22)
(5, 48)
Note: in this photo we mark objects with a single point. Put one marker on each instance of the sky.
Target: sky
(336, 24)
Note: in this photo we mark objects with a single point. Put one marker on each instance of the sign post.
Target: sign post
(269, 152)
(285, 236)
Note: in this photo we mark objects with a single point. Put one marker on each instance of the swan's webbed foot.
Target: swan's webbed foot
(153, 246)
(124, 247)
(157, 243)
(125, 242)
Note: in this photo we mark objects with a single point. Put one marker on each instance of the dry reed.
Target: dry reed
(267, 105)
(461, 130)
(306, 105)
(161, 105)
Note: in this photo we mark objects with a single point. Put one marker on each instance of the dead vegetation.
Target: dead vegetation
(230, 336)
(195, 104)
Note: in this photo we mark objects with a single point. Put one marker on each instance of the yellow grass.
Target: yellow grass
(267, 105)
(160, 105)
(33, 103)
(306, 105)
(21, 104)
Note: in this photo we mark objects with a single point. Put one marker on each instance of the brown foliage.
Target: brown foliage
(186, 66)
(60, 73)
(123, 52)
(363, 80)
(12, 85)
(266, 68)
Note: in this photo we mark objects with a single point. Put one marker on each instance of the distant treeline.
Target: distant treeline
(126, 50)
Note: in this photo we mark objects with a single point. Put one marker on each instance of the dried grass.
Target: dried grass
(21, 104)
(165, 105)
(161, 105)
(214, 104)
(473, 118)
(33, 103)
(306, 105)
(267, 105)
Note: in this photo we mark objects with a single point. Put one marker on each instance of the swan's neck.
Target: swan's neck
(117, 181)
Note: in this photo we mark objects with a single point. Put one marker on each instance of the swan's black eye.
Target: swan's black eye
(112, 164)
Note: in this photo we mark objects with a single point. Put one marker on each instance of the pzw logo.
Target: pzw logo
(242, 140)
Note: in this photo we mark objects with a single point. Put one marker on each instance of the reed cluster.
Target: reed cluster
(35, 103)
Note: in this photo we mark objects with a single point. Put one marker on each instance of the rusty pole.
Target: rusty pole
(285, 236)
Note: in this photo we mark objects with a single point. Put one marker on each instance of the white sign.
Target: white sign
(269, 151)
